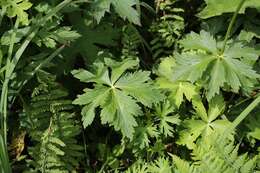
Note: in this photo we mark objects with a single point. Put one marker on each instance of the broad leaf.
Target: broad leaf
(167, 118)
(91, 99)
(177, 89)
(218, 7)
(126, 11)
(117, 94)
(99, 8)
(17, 8)
(203, 62)
(92, 37)
(205, 126)
(123, 8)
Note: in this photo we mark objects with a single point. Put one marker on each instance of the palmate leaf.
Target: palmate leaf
(123, 8)
(218, 7)
(126, 11)
(165, 114)
(177, 89)
(99, 8)
(206, 125)
(142, 135)
(92, 38)
(202, 61)
(17, 8)
(117, 94)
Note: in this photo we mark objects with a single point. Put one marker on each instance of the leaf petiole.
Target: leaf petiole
(231, 24)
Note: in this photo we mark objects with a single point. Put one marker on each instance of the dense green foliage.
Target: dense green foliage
(135, 86)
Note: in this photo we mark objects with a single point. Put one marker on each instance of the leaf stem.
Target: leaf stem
(12, 62)
(42, 64)
(231, 24)
(3, 102)
(244, 114)
(4, 160)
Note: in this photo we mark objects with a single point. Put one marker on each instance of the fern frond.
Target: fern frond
(53, 129)
(131, 41)
(167, 29)
(216, 154)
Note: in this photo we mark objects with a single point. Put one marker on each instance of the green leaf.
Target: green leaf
(200, 109)
(138, 86)
(55, 149)
(208, 124)
(50, 36)
(167, 118)
(216, 107)
(166, 66)
(181, 165)
(161, 165)
(177, 89)
(120, 112)
(99, 8)
(203, 41)
(253, 125)
(92, 37)
(117, 94)
(57, 141)
(17, 8)
(126, 11)
(142, 134)
(82, 75)
(91, 99)
(65, 34)
(249, 165)
(4, 160)
(123, 8)
(218, 7)
(202, 62)
(217, 78)
(19, 34)
(120, 67)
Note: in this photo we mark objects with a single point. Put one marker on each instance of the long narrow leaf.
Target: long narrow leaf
(4, 161)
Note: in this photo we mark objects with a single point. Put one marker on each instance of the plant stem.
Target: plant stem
(81, 1)
(3, 102)
(11, 63)
(4, 160)
(55, 10)
(244, 114)
(138, 7)
(42, 64)
(3, 111)
(231, 24)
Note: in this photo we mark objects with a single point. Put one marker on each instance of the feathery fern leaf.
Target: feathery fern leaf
(52, 128)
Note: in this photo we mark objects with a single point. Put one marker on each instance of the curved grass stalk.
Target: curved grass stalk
(3, 102)
(10, 67)
(231, 24)
(4, 161)
(246, 112)
(11, 64)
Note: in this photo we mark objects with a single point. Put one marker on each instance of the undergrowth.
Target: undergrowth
(134, 86)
